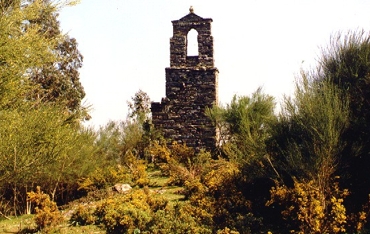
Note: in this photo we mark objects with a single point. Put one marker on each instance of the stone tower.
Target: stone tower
(191, 87)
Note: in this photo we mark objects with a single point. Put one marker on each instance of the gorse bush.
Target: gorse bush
(102, 178)
(47, 213)
(124, 214)
(141, 210)
(211, 187)
(307, 210)
(137, 170)
(176, 219)
(83, 215)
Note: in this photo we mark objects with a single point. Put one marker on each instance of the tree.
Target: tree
(139, 107)
(307, 138)
(58, 81)
(306, 147)
(244, 125)
(38, 141)
(346, 63)
(19, 52)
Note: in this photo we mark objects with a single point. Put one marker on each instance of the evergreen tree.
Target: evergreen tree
(58, 81)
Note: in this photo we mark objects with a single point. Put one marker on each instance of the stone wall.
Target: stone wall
(191, 87)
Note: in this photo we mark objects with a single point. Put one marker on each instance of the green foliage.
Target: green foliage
(39, 147)
(244, 126)
(109, 141)
(57, 81)
(120, 140)
(139, 106)
(144, 211)
(305, 147)
(41, 141)
(20, 51)
(307, 139)
(323, 133)
(29, 143)
(345, 63)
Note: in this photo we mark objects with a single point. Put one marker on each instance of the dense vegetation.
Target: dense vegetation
(304, 170)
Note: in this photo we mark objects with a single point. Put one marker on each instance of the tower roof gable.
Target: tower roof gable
(191, 17)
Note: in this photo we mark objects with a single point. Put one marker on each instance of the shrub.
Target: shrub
(125, 214)
(214, 200)
(47, 213)
(227, 231)
(308, 210)
(104, 177)
(83, 215)
(176, 219)
(137, 169)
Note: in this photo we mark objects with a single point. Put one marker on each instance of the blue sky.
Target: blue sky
(264, 43)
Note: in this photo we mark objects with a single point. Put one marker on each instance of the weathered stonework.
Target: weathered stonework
(191, 87)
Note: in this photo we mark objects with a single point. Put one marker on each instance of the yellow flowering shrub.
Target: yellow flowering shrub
(210, 186)
(222, 173)
(47, 213)
(309, 209)
(227, 231)
(358, 220)
(180, 162)
(133, 211)
(137, 169)
(104, 177)
(83, 215)
(159, 153)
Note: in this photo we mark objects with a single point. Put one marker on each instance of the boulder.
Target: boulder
(122, 188)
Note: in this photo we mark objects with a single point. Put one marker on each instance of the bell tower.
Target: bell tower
(191, 86)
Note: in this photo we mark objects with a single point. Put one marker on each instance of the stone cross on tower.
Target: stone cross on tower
(191, 86)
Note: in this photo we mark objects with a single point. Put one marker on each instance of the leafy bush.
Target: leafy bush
(227, 231)
(212, 190)
(127, 213)
(137, 169)
(176, 219)
(180, 162)
(83, 215)
(105, 177)
(308, 210)
(47, 213)
(143, 210)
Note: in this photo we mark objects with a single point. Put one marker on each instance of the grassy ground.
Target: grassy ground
(26, 224)
(158, 183)
(16, 224)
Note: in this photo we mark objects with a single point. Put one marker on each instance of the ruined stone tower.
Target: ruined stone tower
(191, 87)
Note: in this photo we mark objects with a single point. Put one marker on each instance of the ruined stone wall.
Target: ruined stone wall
(191, 87)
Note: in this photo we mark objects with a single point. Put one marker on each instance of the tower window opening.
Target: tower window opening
(192, 43)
